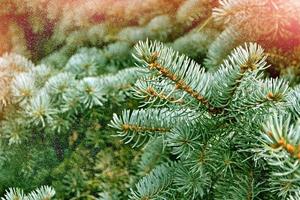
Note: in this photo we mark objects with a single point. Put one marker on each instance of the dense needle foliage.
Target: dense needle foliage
(231, 127)
(152, 99)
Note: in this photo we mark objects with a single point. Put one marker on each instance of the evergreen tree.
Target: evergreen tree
(47, 114)
(228, 134)
(223, 130)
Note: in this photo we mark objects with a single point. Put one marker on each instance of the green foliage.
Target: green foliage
(223, 131)
(209, 125)
(54, 112)
(155, 185)
(42, 193)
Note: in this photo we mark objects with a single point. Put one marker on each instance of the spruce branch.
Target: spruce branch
(91, 92)
(87, 62)
(186, 74)
(280, 141)
(293, 99)
(59, 84)
(13, 193)
(283, 138)
(264, 94)
(139, 125)
(39, 109)
(243, 61)
(217, 144)
(284, 186)
(23, 87)
(154, 186)
(294, 196)
(154, 154)
(41, 74)
(41, 193)
(242, 186)
(184, 140)
(191, 184)
(158, 94)
(10, 66)
(122, 80)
